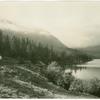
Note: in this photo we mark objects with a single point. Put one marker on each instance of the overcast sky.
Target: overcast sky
(76, 24)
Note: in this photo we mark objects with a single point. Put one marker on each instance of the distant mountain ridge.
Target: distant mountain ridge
(92, 50)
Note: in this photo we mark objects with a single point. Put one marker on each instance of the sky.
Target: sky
(76, 24)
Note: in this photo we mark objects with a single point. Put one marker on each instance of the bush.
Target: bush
(53, 76)
(68, 78)
(77, 86)
(53, 66)
(56, 75)
(90, 87)
(53, 72)
(94, 87)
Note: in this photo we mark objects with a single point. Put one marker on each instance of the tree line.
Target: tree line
(22, 48)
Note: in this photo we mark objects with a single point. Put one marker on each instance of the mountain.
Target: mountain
(36, 45)
(37, 35)
(92, 50)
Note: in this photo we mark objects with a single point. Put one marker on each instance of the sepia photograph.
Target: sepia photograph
(50, 49)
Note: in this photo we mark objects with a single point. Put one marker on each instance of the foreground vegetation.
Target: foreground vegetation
(39, 81)
(91, 87)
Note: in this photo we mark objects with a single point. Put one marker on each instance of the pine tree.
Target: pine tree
(6, 46)
(1, 44)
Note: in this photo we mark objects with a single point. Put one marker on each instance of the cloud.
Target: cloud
(76, 24)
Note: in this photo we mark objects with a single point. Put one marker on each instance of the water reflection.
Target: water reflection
(75, 69)
(78, 68)
(87, 71)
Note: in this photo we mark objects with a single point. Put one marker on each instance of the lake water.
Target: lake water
(87, 71)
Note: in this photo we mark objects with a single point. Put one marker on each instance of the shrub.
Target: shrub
(68, 78)
(52, 72)
(53, 66)
(56, 75)
(77, 86)
(53, 76)
(94, 87)
(90, 87)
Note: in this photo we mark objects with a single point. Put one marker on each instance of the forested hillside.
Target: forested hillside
(24, 48)
(92, 51)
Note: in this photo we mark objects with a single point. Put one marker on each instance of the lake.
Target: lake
(87, 71)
